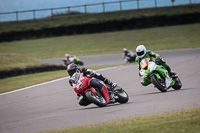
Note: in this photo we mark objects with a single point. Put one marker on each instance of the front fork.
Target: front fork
(168, 81)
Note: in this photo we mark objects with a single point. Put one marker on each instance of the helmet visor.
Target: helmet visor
(140, 53)
(71, 72)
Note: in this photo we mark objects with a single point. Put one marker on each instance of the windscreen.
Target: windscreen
(75, 77)
(144, 60)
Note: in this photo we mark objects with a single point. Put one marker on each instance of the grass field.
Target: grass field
(25, 53)
(187, 121)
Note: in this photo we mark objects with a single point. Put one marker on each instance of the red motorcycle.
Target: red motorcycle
(82, 87)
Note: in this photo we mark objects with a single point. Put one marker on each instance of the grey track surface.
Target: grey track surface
(54, 105)
(97, 60)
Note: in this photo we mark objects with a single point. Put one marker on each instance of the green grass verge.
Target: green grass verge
(25, 53)
(76, 19)
(176, 122)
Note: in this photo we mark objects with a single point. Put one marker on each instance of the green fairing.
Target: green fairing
(172, 83)
(156, 73)
(146, 80)
(162, 71)
(147, 71)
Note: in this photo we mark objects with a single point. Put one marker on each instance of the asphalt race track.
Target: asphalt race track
(53, 105)
(97, 60)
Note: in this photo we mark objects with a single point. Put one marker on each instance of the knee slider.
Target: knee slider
(144, 83)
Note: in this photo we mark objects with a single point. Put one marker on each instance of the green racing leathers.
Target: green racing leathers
(158, 60)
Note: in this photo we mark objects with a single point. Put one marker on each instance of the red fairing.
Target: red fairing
(104, 91)
(91, 89)
(82, 83)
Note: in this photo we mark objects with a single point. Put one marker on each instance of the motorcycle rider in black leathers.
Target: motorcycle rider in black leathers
(128, 56)
(95, 82)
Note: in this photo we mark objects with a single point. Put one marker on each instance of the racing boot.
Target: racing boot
(104, 91)
(113, 98)
(171, 73)
(107, 81)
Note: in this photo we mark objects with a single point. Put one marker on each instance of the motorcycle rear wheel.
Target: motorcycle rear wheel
(160, 84)
(79, 63)
(177, 85)
(97, 100)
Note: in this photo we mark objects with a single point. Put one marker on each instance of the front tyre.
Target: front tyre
(123, 96)
(159, 83)
(97, 100)
(177, 85)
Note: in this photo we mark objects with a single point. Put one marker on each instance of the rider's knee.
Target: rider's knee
(144, 83)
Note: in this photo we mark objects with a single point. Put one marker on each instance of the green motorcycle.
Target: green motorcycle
(159, 76)
(73, 59)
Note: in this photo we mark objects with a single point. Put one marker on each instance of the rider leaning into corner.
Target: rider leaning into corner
(142, 53)
(68, 59)
(95, 82)
(129, 56)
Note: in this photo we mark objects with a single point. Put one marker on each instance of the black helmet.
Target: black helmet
(71, 68)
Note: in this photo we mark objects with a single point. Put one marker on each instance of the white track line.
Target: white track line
(29, 87)
(32, 86)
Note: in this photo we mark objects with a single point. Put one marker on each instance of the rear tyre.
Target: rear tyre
(81, 63)
(97, 100)
(160, 84)
(177, 85)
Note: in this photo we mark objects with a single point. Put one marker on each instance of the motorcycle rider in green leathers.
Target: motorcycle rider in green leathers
(142, 53)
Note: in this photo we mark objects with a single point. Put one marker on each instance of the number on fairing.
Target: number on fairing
(79, 84)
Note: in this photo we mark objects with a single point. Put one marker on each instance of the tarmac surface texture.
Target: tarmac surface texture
(54, 105)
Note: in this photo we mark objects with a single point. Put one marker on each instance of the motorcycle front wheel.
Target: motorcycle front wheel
(159, 83)
(123, 96)
(97, 100)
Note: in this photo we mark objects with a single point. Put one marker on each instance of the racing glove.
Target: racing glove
(92, 73)
(163, 60)
(158, 59)
(70, 82)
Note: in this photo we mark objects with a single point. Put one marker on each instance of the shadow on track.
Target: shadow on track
(110, 105)
(169, 91)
